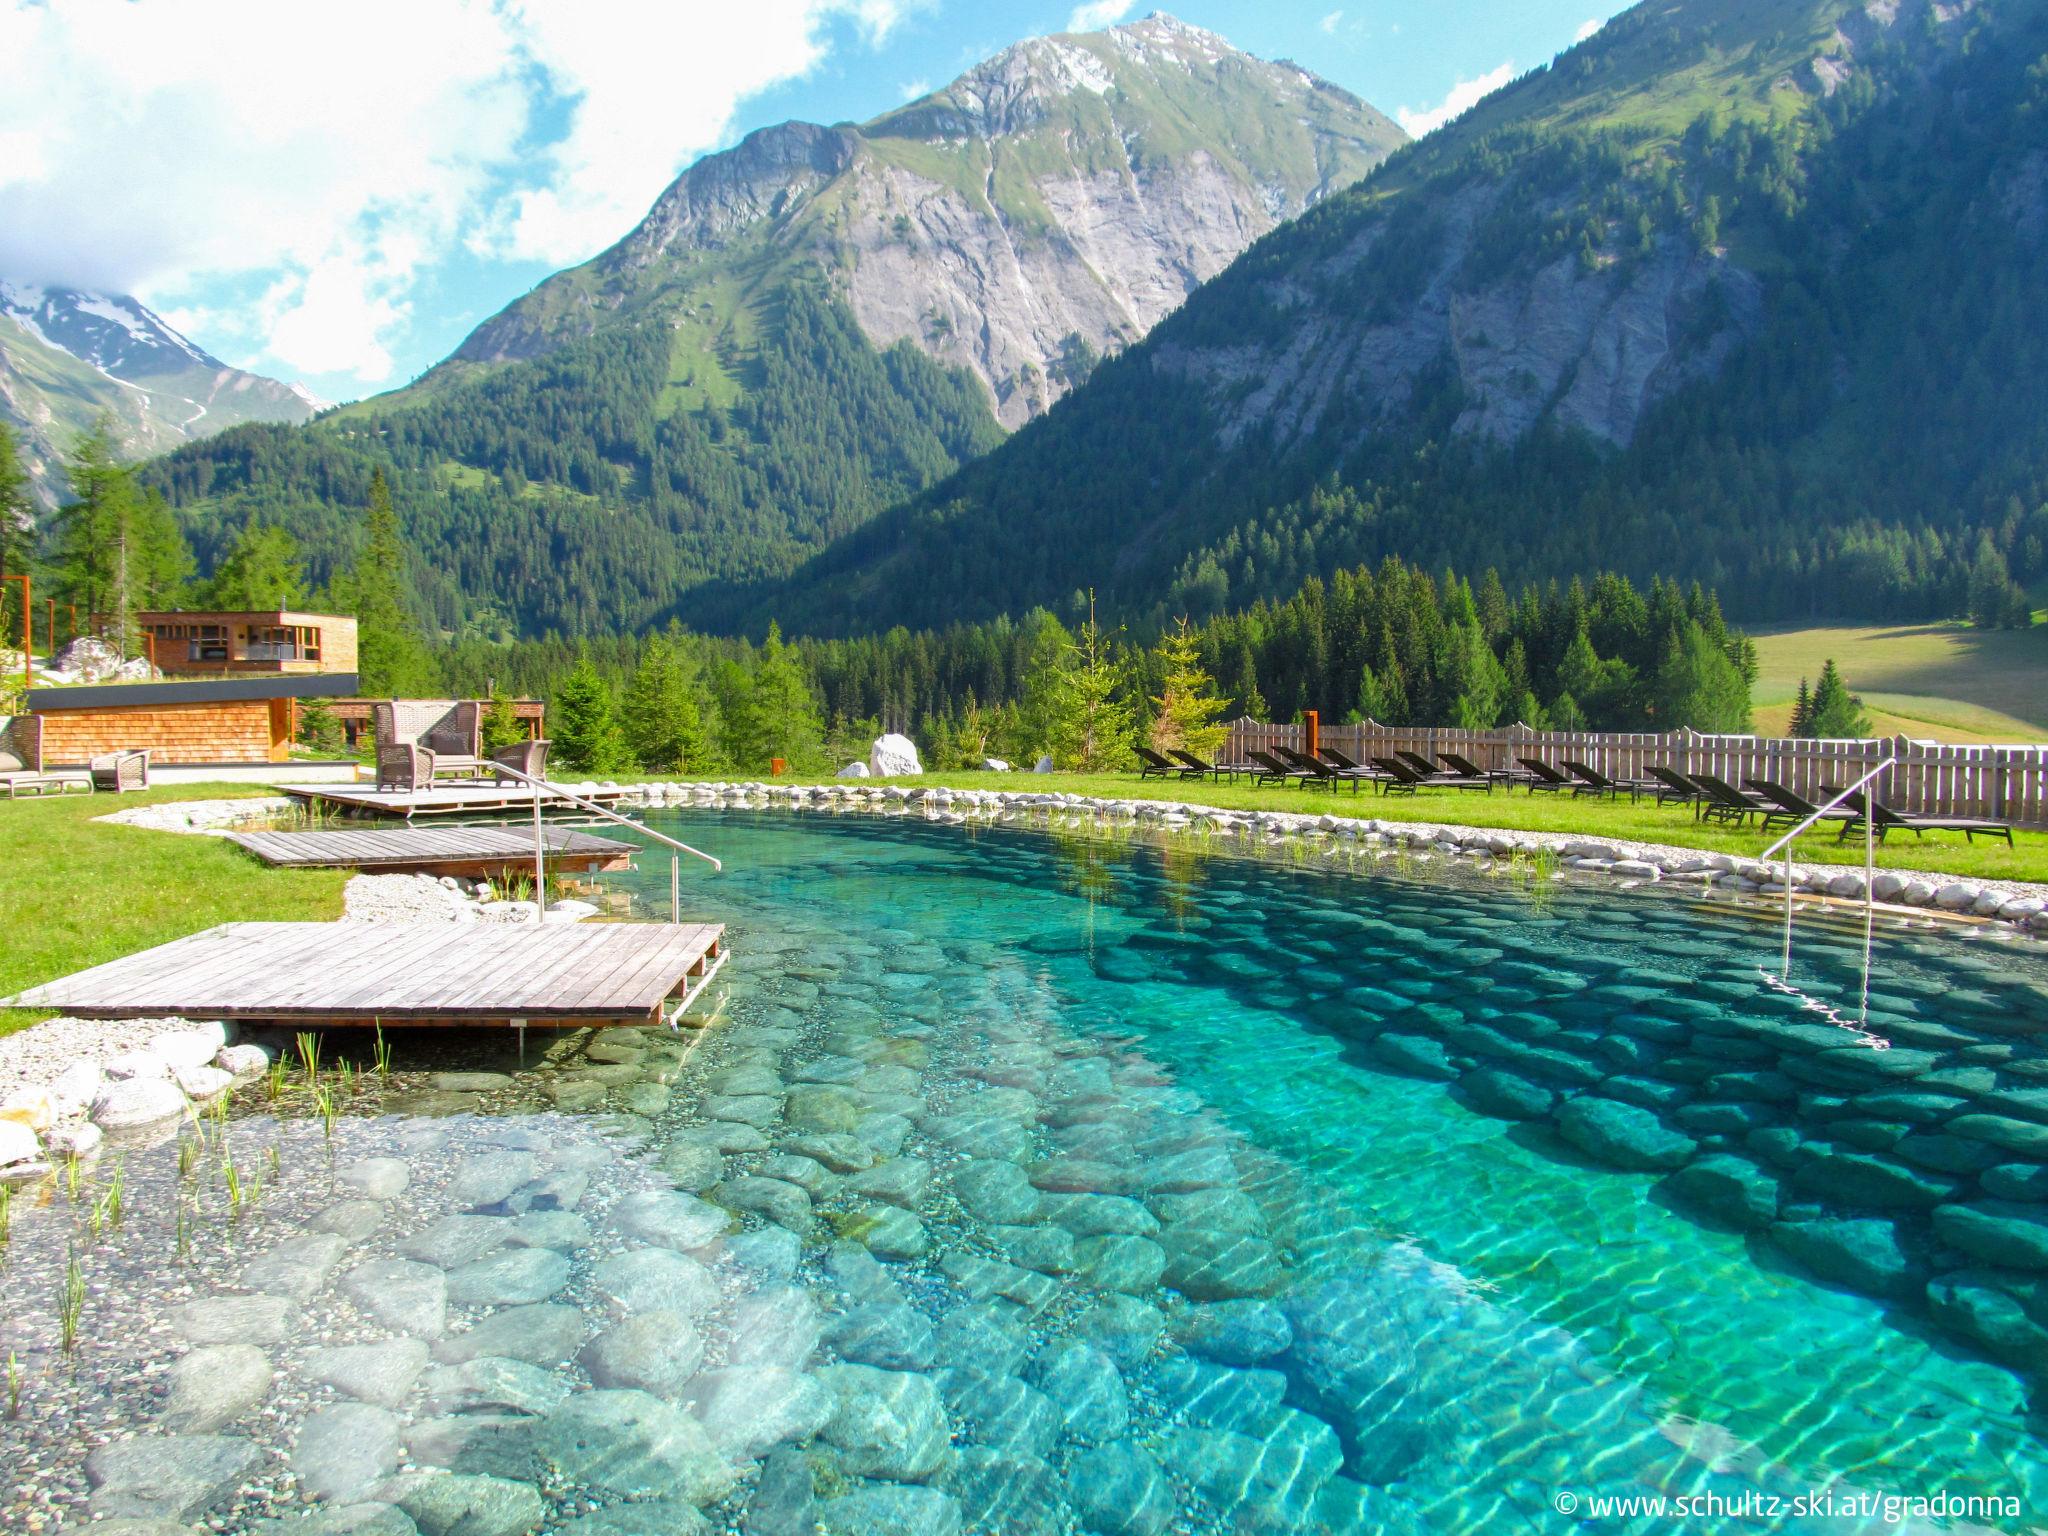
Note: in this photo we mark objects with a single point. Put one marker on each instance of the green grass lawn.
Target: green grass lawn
(1948, 682)
(1644, 822)
(78, 892)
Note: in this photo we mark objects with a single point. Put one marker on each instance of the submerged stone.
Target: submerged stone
(1625, 1135)
(168, 1477)
(885, 1423)
(656, 1352)
(634, 1444)
(1118, 1490)
(547, 1334)
(382, 1373)
(212, 1387)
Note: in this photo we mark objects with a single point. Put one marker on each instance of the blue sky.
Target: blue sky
(340, 203)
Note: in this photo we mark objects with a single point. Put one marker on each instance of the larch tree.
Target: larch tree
(1836, 713)
(262, 569)
(391, 654)
(1190, 715)
(583, 722)
(663, 719)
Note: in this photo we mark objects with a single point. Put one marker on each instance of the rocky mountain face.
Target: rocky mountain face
(68, 355)
(1048, 207)
(1540, 335)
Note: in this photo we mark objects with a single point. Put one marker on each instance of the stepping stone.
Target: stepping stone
(656, 1279)
(401, 1294)
(889, 1424)
(169, 1477)
(210, 1388)
(632, 1444)
(465, 1505)
(457, 1240)
(749, 1410)
(296, 1267)
(381, 1374)
(887, 1232)
(481, 1183)
(669, 1220)
(234, 1320)
(547, 1334)
(374, 1178)
(353, 1220)
(656, 1352)
(345, 1451)
(563, 1231)
(693, 1166)
(899, 1181)
(840, 1153)
(516, 1277)
(492, 1384)
(775, 1327)
(786, 1205)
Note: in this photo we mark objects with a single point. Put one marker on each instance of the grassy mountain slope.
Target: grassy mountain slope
(807, 329)
(1732, 289)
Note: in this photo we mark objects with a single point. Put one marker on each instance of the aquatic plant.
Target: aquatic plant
(6, 1211)
(189, 1149)
(328, 1110)
(345, 1075)
(107, 1209)
(276, 1077)
(71, 1178)
(13, 1386)
(309, 1054)
(71, 1302)
(184, 1231)
(383, 1056)
(231, 1176)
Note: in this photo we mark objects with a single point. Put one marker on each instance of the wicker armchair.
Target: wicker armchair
(116, 773)
(21, 761)
(418, 738)
(527, 757)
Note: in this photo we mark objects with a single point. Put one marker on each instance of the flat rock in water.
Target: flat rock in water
(370, 1519)
(887, 1334)
(656, 1352)
(693, 1166)
(296, 1267)
(749, 1410)
(547, 1334)
(345, 1451)
(483, 1182)
(212, 1387)
(1242, 1332)
(1623, 1135)
(456, 1240)
(168, 1477)
(353, 1220)
(1118, 1490)
(669, 1220)
(900, 1511)
(634, 1444)
(234, 1320)
(516, 1277)
(1087, 1389)
(888, 1232)
(136, 1101)
(492, 1384)
(374, 1178)
(651, 1517)
(465, 1505)
(656, 1279)
(886, 1423)
(470, 1082)
(1207, 1265)
(382, 1373)
(402, 1294)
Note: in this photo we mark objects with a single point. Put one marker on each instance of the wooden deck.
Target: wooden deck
(448, 800)
(571, 975)
(470, 851)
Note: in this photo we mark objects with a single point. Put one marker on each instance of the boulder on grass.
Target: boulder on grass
(853, 771)
(893, 757)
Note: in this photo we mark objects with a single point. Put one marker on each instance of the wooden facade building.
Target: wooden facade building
(227, 720)
(213, 644)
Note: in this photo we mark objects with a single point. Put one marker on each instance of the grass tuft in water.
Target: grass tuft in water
(309, 1056)
(13, 1385)
(6, 1211)
(275, 1078)
(383, 1053)
(71, 1302)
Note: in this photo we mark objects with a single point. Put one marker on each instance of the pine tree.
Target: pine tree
(1190, 716)
(1836, 713)
(262, 569)
(96, 531)
(663, 722)
(1697, 685)
(779, 714)
(502, 726)
(1802, 711)
(583, 723)
(17, 508)
(1093, 724)
(1374, 701)
(391, 656)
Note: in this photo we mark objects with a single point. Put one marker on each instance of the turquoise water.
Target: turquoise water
(1483, 1314)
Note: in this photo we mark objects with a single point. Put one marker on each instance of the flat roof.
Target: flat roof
(265, 615)
(226, 690)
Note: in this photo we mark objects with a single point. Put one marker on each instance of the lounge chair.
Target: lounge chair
(1407, 778)
(1351, 768)
(1543, 777)
(419, 738)
(1593, 782)
(21, 760)
(116, 773)
(1318, 771)
(1152, 766)
(1432, 774)
(528, 757)
(1268, 769)
(1199, 768)
(1725, 802)
(1464, 767)
(1887, 820)
(1789, 809)
(1673, 785)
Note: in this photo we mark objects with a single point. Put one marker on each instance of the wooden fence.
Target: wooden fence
(1927, 777)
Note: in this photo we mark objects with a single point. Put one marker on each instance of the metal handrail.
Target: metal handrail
(1823, 810)
(1784, 977)
(540, 876)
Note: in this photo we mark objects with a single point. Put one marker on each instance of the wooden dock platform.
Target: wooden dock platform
(474, 852)
(557, 976)
(505, 799)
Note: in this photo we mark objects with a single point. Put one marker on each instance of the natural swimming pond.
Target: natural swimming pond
(1037, 1182)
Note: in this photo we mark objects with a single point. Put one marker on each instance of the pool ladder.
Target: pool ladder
(675, 858)
(1782, 980)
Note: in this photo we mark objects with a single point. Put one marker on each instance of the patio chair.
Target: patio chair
(1271, 770)
(1543, 778)
(1790, 809)
(1593, 782)
(1888, 820)
(21, 760)
(418, 738)
(1725, 802)
(1152, 766)
(116, 773)
(1673, 785)
(528, 757)
(1199, 768)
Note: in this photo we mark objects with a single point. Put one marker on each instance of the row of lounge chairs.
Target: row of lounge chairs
(1771, 804)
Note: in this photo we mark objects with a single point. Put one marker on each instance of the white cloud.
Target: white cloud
(1331, 22)
(1094, 15)
(1587, 29)
(912, 90)
(1465, 94)
(289, 173)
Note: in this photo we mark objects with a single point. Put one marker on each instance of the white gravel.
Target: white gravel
(36, 1055)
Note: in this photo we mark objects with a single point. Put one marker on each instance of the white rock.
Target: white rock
(854, 771)
(74, 1089)
(202, 1082)
(78, 1140)
(188, 1047)
(31, 1106)
(1043, 765)
(1956, 896)
(137, 1101)
(893, 757)
(18, 1144)
(136, 1064)
(242, 1060)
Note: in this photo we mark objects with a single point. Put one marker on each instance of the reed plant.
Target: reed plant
(309, 1055)
(71, 1302)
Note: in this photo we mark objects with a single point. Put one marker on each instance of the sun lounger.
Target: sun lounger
(1352, 768)
(1407, 778)
(1318, 771)
(1789, 809)
(1198, 768)
(1673, 785)
(1465, 768)
(1432, 774)
(1888, 820)
(1543, 777)
(1152, 766)
(1593, 782)
(1725, 802)
(1269, 769)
